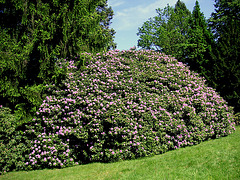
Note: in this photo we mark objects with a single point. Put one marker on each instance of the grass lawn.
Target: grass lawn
(214, 159)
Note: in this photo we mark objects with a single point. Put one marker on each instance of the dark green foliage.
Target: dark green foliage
(237, 118)
(215, 59)
(8, 124)
(225, 25)
(34, 34)
(200, 42)
(12, 146)
(184, 35)
(12, 67)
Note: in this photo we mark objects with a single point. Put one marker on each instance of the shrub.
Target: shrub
(237, 118)
(11, 143)
(125, 105)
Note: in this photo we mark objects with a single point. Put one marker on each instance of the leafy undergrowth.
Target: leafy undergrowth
(123, 105)
(215, 159)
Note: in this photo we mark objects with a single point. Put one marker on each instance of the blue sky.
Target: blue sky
(129, 15)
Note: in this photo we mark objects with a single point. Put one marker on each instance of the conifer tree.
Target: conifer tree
(34, 34)
(200, 43)
(225, 23)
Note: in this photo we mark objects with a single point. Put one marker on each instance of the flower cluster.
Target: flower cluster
(124, 105)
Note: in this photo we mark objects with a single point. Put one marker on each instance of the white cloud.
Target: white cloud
(133, 17)
(115, 3)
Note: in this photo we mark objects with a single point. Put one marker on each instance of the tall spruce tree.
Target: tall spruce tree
(225, 23)
(35, 33)
(200, 43)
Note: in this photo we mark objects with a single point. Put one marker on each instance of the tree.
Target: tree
(34, 34)
(166, 32)
(185, 35)
(225, 25)
(199, 44)
(180, 20)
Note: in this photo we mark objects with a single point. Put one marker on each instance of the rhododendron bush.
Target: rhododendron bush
(124, 105)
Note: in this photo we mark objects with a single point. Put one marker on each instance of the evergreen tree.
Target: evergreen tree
(225, 23)
(200, 43)
(34, 34)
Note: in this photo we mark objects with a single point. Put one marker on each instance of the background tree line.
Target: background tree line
(35, 33)
(210, 47)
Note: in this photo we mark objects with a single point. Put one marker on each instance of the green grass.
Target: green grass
(214, 159)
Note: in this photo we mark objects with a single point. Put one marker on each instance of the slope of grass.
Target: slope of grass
(214, 159)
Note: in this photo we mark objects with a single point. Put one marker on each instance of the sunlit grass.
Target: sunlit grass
(214, 159)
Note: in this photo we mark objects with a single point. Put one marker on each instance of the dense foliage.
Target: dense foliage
(185, 35)
(237, 118)
(120, 105)
(200, 44)
(211, 49)
(33, 34)
(225, 23)
(167, 31)
(123, 105)
(12, 146)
